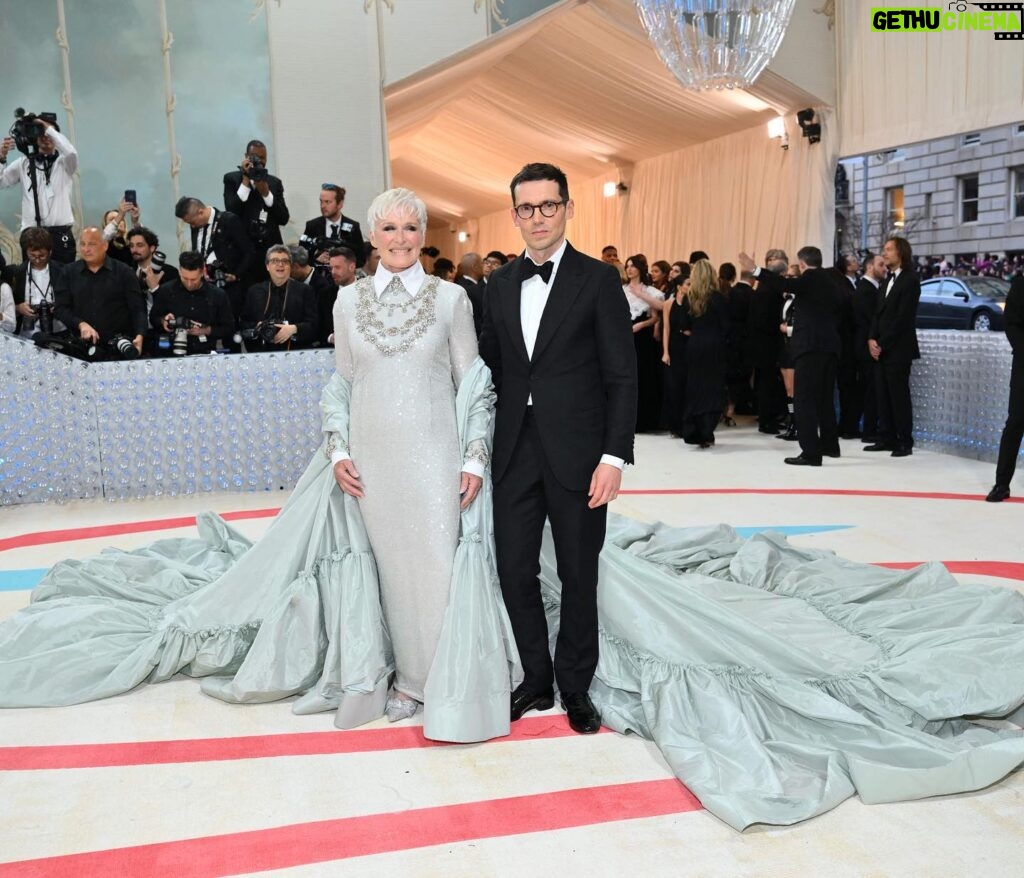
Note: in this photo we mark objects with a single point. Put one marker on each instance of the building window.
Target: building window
(928, 205)
(1017, 207)
(1019, 130)
(969, 198)
(972, 138)
(894, 207)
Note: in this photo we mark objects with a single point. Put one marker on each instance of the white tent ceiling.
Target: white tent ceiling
(578, 85)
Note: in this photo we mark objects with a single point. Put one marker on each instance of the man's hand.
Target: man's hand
(245, 166)
(469, 487)
(262, 187)
(123, 208)
(347, 477)
(746, 263)
(6, 147)
(24, 309)
(784, 329)
(285, 332)
(198, 329)
(604, 485)
(324, 258)
(166, 322)
(230, 278)
(874, 349)
(153, 280)
(137, 343)
(87, 333)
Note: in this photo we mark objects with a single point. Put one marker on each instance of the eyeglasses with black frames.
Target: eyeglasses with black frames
(546, 208)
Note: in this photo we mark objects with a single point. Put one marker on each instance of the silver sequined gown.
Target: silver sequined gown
(405, 356)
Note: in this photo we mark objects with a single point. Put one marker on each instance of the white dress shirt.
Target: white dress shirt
(55, 195)
(892, 280)
(412, 279)
(533, 299)
(244, 191)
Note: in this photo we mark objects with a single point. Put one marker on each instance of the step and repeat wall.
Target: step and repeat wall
(197, 425)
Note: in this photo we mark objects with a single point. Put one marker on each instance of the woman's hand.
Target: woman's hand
(347, 477)
(666, 359)
(469, 487)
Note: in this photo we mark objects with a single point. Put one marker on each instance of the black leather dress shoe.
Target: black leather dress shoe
(998, 494)
(583, 716)
(902, 452)
(789, 435)
(800, 460)
(832, 452)
(850, 435)
(524, 700)
(770, 429)
(879, 446)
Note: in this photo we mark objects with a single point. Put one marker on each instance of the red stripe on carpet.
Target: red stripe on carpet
(1003, 569)
(326, 840)
(835, 492)
(63, 756)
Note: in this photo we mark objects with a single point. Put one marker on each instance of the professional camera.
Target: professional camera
(44, 317)
(179, 327)
(27, 129)
(316, 246)
(257, 170)
(264, 331)
(157, 261)
(217, 274)
(123, 347)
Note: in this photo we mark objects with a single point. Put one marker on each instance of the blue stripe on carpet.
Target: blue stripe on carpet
(20, 580)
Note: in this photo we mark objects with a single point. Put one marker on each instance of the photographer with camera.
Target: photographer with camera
(45, 172)
(324, 290)
(98, 300)
(33, 284)
(149, 263)
(189, 313)
(332, 228)
(280, 313)
(219, 236)
(257, 198)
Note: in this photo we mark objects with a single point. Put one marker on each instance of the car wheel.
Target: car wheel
(982, 322)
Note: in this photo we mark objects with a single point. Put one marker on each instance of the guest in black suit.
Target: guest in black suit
(220, 237)
(814, 347)
(1009, 444)
(333, 229)
(470, 277)
(256, 197)
(34, 280)
(850, 395)
(865, 304)
(321, 285)
(764, 346)
(288, 305)
(893, 345)
(556, 336)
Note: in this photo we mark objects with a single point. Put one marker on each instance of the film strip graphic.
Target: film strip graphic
(1001, 7)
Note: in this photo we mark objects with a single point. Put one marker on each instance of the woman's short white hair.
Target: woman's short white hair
(394, 202)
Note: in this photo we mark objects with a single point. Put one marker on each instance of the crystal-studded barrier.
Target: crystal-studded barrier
(197, 425)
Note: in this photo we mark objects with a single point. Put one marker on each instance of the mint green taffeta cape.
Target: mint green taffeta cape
(776, 681)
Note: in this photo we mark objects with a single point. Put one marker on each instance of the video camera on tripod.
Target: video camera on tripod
(28, 128)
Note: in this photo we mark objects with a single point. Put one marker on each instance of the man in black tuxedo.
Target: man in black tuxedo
(470, 278)
(221, 239)
(865, 304)
(764, 345)
(332, 228)
(893, 345)
(850, 397)
(324, 290)
(556, 336)
(256, 197)
(1009, 443)
(814, 347)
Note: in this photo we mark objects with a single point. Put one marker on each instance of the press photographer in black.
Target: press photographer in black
(190, 314)
(32, 284)
(332, 228)
(45, 172)
(280, 313)
(98, 300)
(150, 264)
(256, 197)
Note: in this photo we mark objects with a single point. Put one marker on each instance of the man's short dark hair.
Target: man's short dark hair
(809, 256)
(368, 248)
(497, 254)
(253, 143)
(339, 191)
(608, 247)
(36, 238)
(344, 252)
(541, 171)
(869, 257)
(300, 255)
(147, 234)
(186, 205)
(190, 260)
(696, 256)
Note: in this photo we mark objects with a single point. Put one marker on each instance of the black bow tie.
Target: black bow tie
(530, 268)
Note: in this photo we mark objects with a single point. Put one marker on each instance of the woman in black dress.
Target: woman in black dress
(674, 353)
(645, 304)
(704, 319)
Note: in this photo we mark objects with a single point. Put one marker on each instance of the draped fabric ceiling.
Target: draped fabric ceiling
(578, 85)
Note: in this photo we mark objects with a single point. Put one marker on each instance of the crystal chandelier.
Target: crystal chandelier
(715, 43)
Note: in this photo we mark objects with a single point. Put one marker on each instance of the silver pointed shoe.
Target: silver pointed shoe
(400, 708)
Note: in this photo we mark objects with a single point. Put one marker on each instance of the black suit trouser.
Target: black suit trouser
(1009, 444)
(527, 494)
(813, 404)
(895, 410)
(851, 396)
(866, 383)
(770, 395)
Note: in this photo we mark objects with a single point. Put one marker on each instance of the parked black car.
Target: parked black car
(962, 303)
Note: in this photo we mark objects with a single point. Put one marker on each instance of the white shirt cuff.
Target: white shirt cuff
(474, 468)
(109, 231)
(340, 455)
(789, 332)
(612, 460)
(757, 271)
(268, 199)
(243, 192)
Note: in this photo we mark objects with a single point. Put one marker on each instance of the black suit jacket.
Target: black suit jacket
(865, 304)
(299, 308)
(248, 211)
(764, 341)
(818, 304)
(475, 292)
(1013, 316)
(893, 326)
(232, 245)
(582, 374)
(351, 238)
(15, 276)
